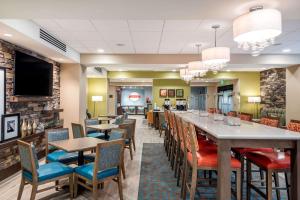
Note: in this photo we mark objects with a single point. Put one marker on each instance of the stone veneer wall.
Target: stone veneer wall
(273, 88)
(30, 108)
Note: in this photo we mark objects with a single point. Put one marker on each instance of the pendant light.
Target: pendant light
(257, 29)
(196, 67)
(216, 58)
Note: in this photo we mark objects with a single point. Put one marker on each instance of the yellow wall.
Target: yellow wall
(168, 84)
(97, 87)
(249, 85)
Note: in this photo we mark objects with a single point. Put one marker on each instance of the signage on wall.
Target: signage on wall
(134, 96)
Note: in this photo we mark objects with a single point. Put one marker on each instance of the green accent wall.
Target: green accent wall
(169, 84)
(97, 87)
(249, 84)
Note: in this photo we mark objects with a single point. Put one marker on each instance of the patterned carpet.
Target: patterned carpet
(157, 181)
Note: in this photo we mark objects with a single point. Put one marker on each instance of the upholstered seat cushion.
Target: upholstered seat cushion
(206, 144)
(90, 157)
(115, 135)
(210, 159)
(269, 160)
(94, 134)
(243, 151)
(49, 171)
(62, 156)
(88, 170)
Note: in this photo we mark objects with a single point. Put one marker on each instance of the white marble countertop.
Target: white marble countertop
(247, 130)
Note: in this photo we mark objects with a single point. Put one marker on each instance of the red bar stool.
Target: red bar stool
(200, 159)
(271, 163)
(232, 114)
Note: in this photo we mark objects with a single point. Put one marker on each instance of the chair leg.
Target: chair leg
(276, 180)
(249, 177)
(21, 188)
(288, 191)
(130, 149)
(95, 188)
(56, 184)
(261, 173)
(184, 177)
(120, 187)
(33, 192)
(123, 168)
(269, 185)
(75, 186)
(71, 185)
(238, 185)
(133, 142)
(242, 160)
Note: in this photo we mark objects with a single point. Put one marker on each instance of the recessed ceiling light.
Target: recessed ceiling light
(228, 70)
(100, 50)
(120, 44)
(120, 70)
(174, 70)
(7, 35)
(286, 50)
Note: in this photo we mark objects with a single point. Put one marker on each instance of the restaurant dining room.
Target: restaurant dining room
(150, 100)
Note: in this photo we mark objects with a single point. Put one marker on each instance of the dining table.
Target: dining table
(103, 127)
(77, 145)
(246, 134)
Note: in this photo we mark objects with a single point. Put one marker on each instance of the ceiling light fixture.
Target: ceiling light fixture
(196, 68)
(100, 50)
(7, 35)
(216, 58)
(257, 29)
(173, 70)
(120, 44)
(185, 74)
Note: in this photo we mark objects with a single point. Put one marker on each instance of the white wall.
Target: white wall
(293, 93)
(73, 93)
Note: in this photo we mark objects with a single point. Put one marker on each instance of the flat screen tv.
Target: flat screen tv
(33, 76)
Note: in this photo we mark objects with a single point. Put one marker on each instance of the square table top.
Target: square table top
(77, 144)
(103, 127)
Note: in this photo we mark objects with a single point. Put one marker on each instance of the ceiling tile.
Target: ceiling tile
(116, 35)
(48, 24)
(94, 43)
(75, 25)
(111, 25)
(181, 25)
(85, 35)
(146, 25)
(146, 36)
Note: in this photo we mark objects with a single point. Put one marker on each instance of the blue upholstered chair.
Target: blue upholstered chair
(36, 174)
(55, 155)
(129, 126)
(77, 130)
(119, 120)
(92, 132)
(107, 166)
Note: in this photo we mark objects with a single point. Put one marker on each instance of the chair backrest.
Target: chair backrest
(150, 117)
(166, 113)
(133, 121)
(161, 117)
(189, 133)
(28, 158)
(88, 122)
(274, 122)
(178, 125)
(119, 120)
(55, 135)
(246, 116)
(108, 155)
(129, 127)
(294, 125)
(232, 114)
(77, 130)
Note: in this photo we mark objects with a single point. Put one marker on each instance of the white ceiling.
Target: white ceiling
(157, 36)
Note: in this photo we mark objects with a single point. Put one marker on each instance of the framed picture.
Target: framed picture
(10, 126)
(2, 94)
(179, 92)
(163, 92)
(171, 93)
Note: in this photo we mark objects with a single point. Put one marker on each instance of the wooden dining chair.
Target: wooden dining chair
(167, 131)
(150, 119)
(77, 130)
(162, 123)
(270, 121)
(246, 116)
(129, 127)
(35, 174)
(56, 155)
(89, 132)
(106, 167)
(201, 159)
(133, 131)
(232, 113)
